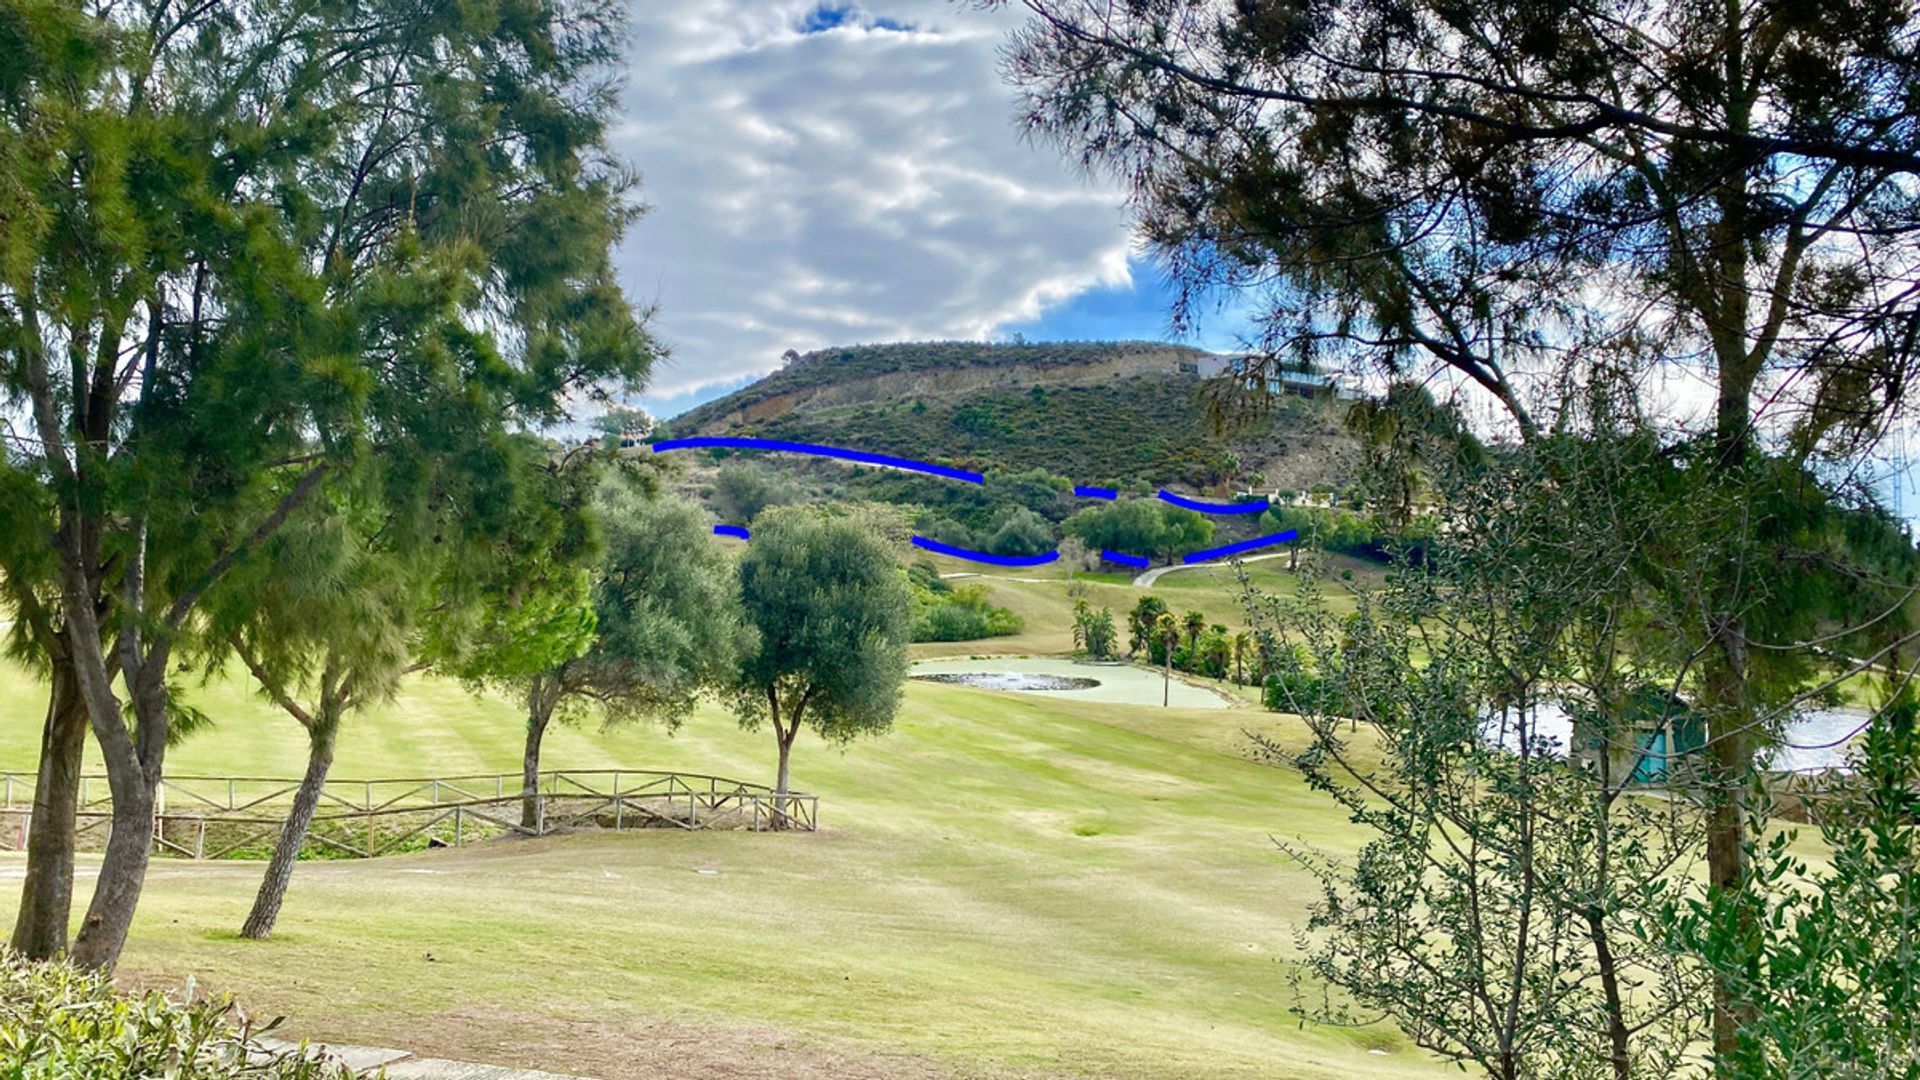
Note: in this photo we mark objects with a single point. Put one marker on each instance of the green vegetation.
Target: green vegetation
(57, 1021)
(943, 612)
(1476, 195)
(949, 911)
(1132, 433)
(742, 489)
(302, 295)
(1830, 968)
(831, 614)
(660, 626)
(1141, 527)
(1093, 631)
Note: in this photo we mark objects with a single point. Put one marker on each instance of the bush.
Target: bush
(925, 577)
(742, 490)
(961, 614)
(1093, 631)
(1293, 687)
(58, 1021)
(1020, 531)
(950, 622)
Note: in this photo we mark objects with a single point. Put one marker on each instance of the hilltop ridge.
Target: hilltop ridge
(1127, 413)
(860, 373)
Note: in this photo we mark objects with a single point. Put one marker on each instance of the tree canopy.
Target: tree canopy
(832, 611)
(1141, 526)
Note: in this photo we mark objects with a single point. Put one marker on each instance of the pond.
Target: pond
(1059, 677)
(1011, 680)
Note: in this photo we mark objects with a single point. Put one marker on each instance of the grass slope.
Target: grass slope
(1006, 884)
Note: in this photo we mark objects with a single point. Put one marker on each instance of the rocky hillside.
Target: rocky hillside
(1125, 414)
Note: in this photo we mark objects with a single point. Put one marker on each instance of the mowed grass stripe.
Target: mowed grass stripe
(1006, 881)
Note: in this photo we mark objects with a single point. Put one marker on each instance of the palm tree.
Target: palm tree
(1141, 622)
(1195, 622)
(1242, 644)
(1167, 628)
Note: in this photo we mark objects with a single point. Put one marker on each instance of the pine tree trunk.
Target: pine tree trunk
(134, 761)
(46, 897)
(532, 805)
(293, 835)
(123, 871)
(1730, 752)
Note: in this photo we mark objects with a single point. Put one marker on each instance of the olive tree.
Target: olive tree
(1504, 909)
(661, 628)
(832, 612)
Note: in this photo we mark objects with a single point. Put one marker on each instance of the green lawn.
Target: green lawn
(1038, 595)
(1006, 885)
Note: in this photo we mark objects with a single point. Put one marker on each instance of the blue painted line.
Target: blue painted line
(984, 557)
(1095, 492)
(1225, 550)
(1126, 560)
(861, 456)
(730, 530)
(1213, 508)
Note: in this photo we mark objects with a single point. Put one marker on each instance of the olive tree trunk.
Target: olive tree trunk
(293, 834)
(783, 736)
(540, 702)
(46, 897)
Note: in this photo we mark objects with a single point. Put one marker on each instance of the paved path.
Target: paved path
(1145, 578)
(1149, 577)
(402, 1065)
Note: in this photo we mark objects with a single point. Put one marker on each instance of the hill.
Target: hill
(1124, 414)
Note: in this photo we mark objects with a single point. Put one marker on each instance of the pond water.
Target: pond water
(1011, 680)
(1120, 684)
(1807, 737)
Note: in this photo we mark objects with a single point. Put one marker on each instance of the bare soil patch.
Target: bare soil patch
(633, 1049)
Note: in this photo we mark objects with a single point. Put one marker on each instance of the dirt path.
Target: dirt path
(649, 1049)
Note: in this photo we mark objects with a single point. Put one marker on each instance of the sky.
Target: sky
(837, 173)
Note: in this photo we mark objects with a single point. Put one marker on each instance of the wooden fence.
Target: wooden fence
(211, 817)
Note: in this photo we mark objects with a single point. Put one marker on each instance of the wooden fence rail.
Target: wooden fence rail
(210, 817)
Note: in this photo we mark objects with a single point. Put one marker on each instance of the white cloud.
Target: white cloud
(857, 184)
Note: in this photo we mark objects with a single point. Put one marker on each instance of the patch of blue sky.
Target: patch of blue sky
(828, 16)
(1137, 311)
(667, 406)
